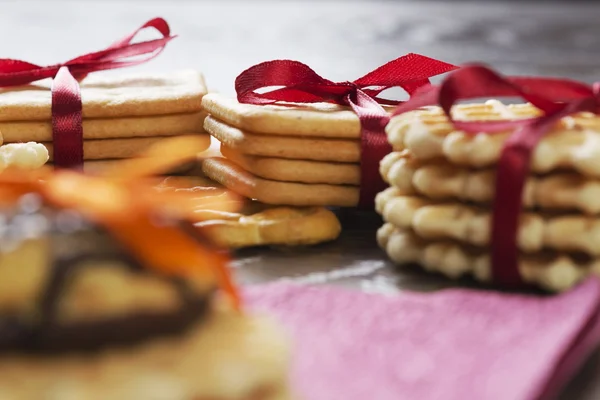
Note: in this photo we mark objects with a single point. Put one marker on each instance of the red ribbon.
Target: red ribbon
(303, 85)
(556, 98)
(67, 128)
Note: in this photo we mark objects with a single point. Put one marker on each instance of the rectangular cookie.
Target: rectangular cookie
(253, 223)
(281, 169)
(105, 128)
(101, 149)
(315, 120)
(110, 96)
(301, 148)
(243, 182)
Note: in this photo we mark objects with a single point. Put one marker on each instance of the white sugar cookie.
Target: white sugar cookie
(28, 155)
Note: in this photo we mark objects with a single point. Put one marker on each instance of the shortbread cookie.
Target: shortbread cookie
(28, 155)
(282, 169)
(470, 224)
(256, 224)
(574, 143)
(110, 96)
(240, 181)
(445, 181)
(102, 149)
(108, 128)
(323, 120)
(549, 270)
(302, 148)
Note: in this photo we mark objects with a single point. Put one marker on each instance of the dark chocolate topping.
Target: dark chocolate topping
(47, 335)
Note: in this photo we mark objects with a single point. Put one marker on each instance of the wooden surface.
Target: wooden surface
(341, 40)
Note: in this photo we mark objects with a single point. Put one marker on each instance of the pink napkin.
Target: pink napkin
(451, 344)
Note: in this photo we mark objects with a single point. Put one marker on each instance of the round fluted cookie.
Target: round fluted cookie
(470, 224)
(573, 143)
(442, 180)
(553, 271)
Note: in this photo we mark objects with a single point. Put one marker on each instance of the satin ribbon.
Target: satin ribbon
(67, 128)
(303, 85)
(556, 98)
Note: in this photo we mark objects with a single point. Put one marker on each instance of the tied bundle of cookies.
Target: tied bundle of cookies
(311, 142)
(505, 193)
(95, 119)
(306, 155)
(122, 114)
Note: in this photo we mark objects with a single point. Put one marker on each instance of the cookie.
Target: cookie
(111, 96)
(240, 181)
(256, 224)
(553, 271)
(25, 156)
(200, 365)
(102, 149)
(445, 181)
(304, 171)
(323, 120)
(574, 143)
(107, 128)
(107, 292)
(471, 224)
(302, 148)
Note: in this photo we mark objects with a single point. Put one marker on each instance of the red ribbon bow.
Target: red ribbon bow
(556, 98)
(67, 128)
(303, 85)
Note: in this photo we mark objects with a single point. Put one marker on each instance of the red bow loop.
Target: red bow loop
(16, 72)
(295, 77)
(301, 84)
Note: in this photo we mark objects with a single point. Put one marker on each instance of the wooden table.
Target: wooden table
(340, 40)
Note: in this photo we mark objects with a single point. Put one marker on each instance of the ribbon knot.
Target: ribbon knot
(294, 82)
(67, 131)
(555, 98)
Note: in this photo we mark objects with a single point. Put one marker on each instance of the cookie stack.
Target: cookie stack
(302, 155)
(122, 114)
(438, 211)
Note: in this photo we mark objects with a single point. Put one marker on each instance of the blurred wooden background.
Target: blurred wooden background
(339, 39)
